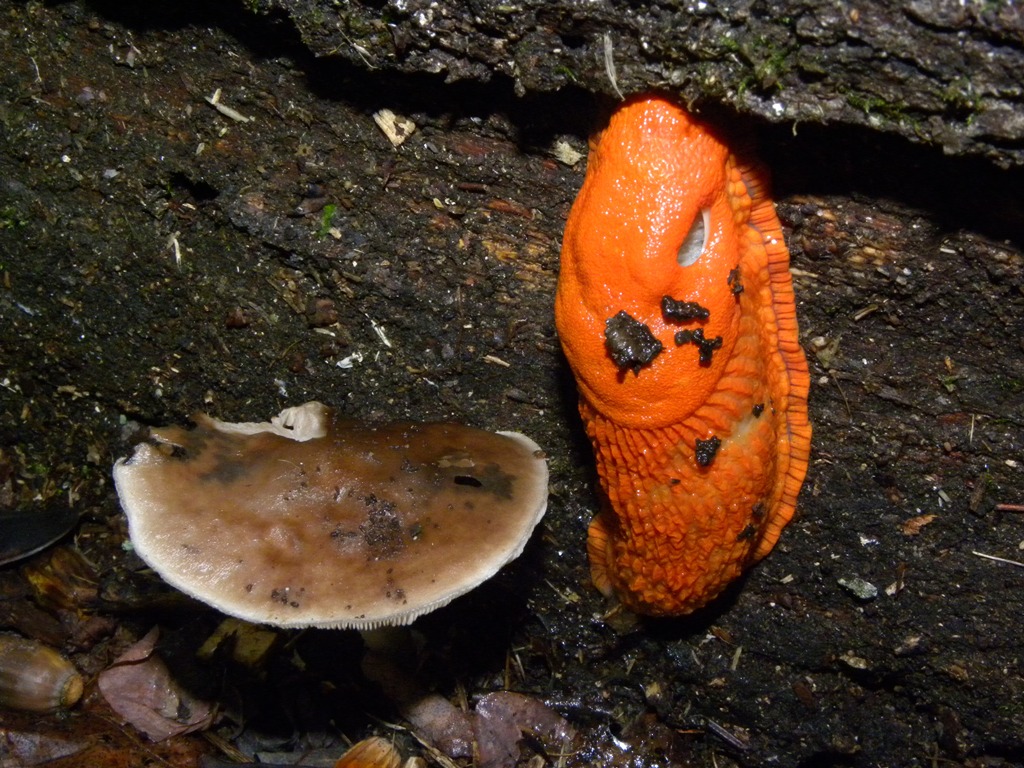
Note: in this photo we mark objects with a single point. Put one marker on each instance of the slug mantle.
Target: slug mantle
(676, 313)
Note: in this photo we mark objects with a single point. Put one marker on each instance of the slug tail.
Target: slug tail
(598, 550)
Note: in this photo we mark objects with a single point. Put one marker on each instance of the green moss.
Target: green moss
(875, 105)
(257, 7)
(327, 219)
(11, 218)
(767, 62)
(1013, 386)
(960, 98)
(567, 73)
(771, 69)
(729, 45)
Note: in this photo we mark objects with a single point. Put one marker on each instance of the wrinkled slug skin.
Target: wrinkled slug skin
(695, 399)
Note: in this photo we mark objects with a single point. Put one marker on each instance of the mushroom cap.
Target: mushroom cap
(312, 520)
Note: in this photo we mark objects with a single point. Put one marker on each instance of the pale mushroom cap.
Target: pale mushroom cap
(314, 521)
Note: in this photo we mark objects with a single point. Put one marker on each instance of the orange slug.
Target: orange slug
(675, 310)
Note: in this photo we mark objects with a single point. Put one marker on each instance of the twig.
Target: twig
(233, 114)
(726, 736)
(998, 559)
(835, 380)
(1009, 507)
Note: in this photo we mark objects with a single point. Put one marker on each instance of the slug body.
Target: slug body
(675, 310)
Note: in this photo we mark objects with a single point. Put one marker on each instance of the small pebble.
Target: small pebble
(862, 590)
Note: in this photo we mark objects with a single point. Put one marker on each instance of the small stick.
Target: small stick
(726, 736)
(998, 559)
(234, 114)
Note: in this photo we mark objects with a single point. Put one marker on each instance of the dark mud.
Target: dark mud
(158, 258)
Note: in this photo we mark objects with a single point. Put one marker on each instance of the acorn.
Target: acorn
(36, 678)
(374, 752)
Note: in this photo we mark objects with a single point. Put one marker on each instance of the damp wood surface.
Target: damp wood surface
(932, 71)
(160, 256)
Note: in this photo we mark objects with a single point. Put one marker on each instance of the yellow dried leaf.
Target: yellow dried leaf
(913, 526)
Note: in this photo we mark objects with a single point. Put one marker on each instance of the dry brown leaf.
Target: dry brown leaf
(913, 526)
(140, 689)
(503, 717)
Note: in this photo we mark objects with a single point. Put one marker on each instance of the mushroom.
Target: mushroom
(312, 520)
(23, 533)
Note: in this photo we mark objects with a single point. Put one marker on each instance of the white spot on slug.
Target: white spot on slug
(696, 239)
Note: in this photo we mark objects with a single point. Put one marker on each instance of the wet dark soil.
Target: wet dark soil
(159, 257)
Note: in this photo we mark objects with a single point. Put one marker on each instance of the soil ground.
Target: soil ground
(158, 257)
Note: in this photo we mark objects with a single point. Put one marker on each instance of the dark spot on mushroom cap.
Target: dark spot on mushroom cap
(382, 530)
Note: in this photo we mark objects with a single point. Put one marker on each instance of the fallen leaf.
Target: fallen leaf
(139, 687)
(913, 526)
(20, 749)
(503, 717)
